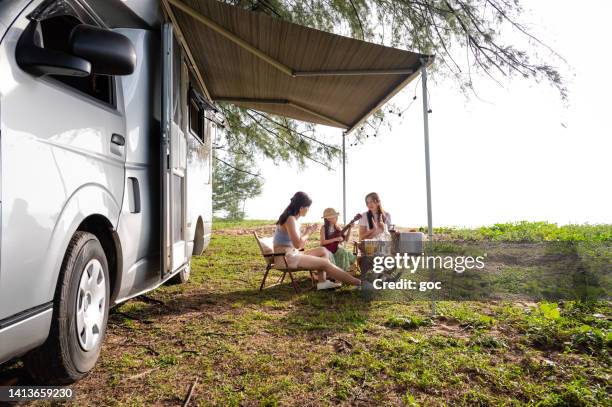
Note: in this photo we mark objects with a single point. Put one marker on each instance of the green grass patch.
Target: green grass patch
(531, 232)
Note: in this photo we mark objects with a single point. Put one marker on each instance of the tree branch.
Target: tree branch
(265, 116)
(358, 19)
(238, 169)
(286, 142)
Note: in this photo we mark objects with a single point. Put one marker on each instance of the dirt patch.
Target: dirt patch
(450, 328)
(262, 231)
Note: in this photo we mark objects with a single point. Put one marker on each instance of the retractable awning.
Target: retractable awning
(256, 61)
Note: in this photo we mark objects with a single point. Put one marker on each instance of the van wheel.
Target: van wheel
(198, 239)
(80, 312)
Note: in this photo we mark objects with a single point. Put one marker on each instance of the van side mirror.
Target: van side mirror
(109, 53)
(33, 58)
(92, 50)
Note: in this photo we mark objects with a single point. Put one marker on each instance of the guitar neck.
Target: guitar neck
(347, 227)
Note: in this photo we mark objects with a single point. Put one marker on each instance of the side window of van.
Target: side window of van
(55, 33)
(196, 116)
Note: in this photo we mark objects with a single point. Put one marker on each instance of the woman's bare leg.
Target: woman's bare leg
(318, 263)
(320, 252)
(321, 276)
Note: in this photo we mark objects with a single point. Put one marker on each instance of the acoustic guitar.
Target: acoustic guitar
(333, 246)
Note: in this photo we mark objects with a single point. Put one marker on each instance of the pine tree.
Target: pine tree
(232, 186)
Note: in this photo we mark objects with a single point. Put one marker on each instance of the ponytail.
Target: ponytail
(299, 200)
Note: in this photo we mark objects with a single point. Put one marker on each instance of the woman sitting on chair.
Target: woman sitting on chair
(374, 223)
(289, 240)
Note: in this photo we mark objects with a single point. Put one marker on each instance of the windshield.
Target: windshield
(55, 8)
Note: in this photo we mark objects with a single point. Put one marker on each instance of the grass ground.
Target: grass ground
(332, 348)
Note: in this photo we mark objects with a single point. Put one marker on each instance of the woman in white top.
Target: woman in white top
(289, 240)
(373, 222)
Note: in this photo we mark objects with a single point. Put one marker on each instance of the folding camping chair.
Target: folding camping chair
(267, 251)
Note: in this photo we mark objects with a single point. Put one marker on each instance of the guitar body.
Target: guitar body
(333, 246)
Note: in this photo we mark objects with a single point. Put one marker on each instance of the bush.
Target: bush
(550, 328)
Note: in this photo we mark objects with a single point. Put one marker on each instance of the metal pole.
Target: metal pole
(344, 178)
(426, 135)
(427, 173)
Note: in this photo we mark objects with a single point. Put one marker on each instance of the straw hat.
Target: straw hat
(330, 213)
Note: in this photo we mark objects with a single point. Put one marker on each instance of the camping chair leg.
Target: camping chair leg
(263, 282)
(313, 285)
(293, 282)
(281, 278)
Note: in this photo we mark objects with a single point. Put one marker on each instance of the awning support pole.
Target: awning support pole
(344, 178)
(427, 173)
(426, 135)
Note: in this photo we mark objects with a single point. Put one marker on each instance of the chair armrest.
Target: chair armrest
(277, 254)
(274, 254)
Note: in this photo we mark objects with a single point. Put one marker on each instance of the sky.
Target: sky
(517, 153)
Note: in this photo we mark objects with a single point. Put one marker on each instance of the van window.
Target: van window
(196, 116)
(55, 32)
(196, 120)
(177, 71)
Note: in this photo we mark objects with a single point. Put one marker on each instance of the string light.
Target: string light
(399, 114)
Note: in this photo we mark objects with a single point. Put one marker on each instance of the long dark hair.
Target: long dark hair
(298, 201)
(381, 211)
(329, 228)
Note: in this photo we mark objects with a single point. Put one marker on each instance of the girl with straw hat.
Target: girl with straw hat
(332, 237)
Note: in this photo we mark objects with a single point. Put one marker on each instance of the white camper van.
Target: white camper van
(105, 185)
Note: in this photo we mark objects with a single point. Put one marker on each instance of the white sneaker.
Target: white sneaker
(328, 285)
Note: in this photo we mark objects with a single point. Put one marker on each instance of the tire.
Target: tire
(80, 314)
(198, 239)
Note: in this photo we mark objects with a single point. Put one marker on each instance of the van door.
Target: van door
(63, 155)
(174, 158)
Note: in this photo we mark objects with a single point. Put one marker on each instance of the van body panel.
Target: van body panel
(58, 167)
(86, 201)
(139, 228)
(2, 30)
(24, 335)
(199, 185)
(10, 9)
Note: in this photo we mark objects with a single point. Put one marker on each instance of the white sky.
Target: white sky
(507, 159)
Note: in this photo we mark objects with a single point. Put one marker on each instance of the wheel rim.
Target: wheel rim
(91, 302)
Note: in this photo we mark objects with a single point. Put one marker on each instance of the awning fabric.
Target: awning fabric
(259, 62)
